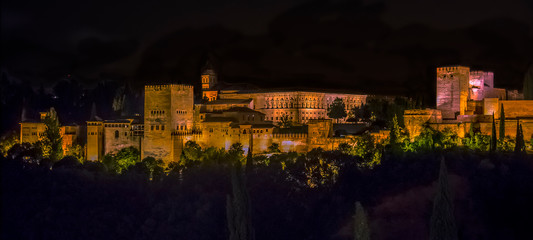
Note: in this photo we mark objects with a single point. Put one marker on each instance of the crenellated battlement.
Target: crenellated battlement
(451, 68)
(160, 87)
(184, 133)
(289, 135)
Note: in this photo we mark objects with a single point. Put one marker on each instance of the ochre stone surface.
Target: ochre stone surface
(168, 109)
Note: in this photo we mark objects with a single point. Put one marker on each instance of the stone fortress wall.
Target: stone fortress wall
(459, 107)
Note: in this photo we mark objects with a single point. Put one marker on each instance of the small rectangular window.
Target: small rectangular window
(162, 127)
(157, 127)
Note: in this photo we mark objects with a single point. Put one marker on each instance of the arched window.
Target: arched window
(116, 133)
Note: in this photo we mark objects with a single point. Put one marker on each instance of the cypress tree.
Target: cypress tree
(502, 124)
(493, 136)
(442, 225)
(471, 136)
(238, 209)
(52, 142)
(394, 131)
(361, 229)
(520, 144)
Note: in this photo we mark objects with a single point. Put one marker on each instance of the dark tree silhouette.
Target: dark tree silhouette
(442, 225)
(502, 124)
(493, 138)
(520, 145)
(238, 209)
(394, 130)
(361, 229)
(337, 109)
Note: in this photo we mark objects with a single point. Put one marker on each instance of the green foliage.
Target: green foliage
(52, 142)
(337, 109)
(442, 225)
(366, 148)
(274, 148)
(192, 152)
(214, 155)
(361, 228)
(506, 145)
(153, 168)
(345, 148)
(430, 140)
(122, 160)
(502, 123)
(476, 141)
(7, 141)
(76, 151)
(236, 153)
(319, 169)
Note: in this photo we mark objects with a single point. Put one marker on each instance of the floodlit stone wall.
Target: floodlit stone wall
(119, 135)
(31, 132)
(414, 119)
(517, 108)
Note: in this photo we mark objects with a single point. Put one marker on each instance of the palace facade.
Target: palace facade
(220, 118)
(223, 116)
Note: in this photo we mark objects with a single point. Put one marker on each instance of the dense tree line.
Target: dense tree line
(291, 196)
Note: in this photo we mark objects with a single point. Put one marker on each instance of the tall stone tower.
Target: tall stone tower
(452, 90)
(95, 136)
(479, 83)
(209, 80)
(168, 110)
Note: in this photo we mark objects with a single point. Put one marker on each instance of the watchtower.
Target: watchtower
(452, 90)
(168, 109)
(209, 80)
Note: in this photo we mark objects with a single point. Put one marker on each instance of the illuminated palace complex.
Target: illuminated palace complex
(225, 116)
(466, 98)
(219, 119)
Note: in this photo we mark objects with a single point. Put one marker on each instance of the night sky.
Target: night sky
(388, 47)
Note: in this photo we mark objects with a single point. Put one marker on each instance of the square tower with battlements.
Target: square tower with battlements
(168, 110)
(452, 90)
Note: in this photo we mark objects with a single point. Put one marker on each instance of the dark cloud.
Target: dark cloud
(370, 45)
